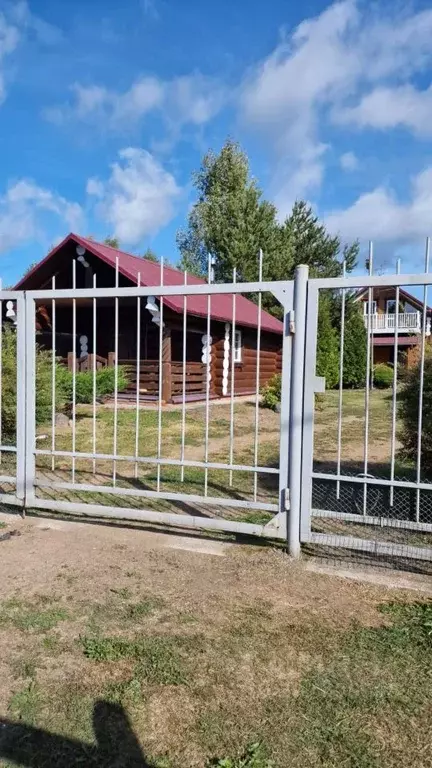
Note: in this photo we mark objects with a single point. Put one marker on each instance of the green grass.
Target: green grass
(254, 757)
(25, 704)
(360, 700)
(145, 607)
(2, 524)
(158, 659)
(38, 616)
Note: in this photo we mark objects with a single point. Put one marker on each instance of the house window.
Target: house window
(237, 347)
(366, 307)
(391, 306)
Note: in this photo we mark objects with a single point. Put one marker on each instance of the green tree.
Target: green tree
(327, 361)
(409, 412)
(112, 241)
(230, 219)
(311, 244)
(355, 348)
(150, 255)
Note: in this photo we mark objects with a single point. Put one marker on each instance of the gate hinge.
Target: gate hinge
(291, 321)
(287, 499)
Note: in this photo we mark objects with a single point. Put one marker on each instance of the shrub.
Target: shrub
(105, 383)
(327, 360)
(43, 383)
(409, 412)
(355, 348)
(271, 392)
(63, 388)
(383, 376)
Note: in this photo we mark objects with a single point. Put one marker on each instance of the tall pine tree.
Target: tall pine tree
(231, 221)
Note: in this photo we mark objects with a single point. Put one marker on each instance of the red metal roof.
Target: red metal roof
(131, 266)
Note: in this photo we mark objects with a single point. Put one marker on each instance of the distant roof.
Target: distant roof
(403, 294)
(131, 266)
(403, 341)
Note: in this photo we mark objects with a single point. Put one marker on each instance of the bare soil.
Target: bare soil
(245, 623)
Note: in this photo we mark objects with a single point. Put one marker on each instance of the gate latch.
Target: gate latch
(287, 499)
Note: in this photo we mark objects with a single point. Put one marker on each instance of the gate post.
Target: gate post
(296, 408)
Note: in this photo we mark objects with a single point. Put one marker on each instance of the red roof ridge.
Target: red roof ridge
(135, 256)
(128, 264)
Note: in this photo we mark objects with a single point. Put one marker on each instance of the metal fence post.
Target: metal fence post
(30, 399)
(296, 408)
(21, 398)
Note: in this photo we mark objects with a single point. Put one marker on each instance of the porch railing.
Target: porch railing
(149, 377)
(406, 322)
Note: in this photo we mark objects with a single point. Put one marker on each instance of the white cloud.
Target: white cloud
(292, 96)
(387, 107)
(44, 32)
(150, 9)
(9, 38)
(16, 24)
(138, 198)
(95, 188)
(349, 161)
(379, 215)
(192, 99)
(23, 211)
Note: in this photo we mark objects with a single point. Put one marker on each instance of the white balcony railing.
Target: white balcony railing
(407, 322)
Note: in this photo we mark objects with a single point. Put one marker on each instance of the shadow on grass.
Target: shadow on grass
(116, 744)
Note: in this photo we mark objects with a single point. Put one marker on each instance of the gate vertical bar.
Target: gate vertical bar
(421, 389)
(296, 408)
(309, 411)
(21, 415)
(26, 394)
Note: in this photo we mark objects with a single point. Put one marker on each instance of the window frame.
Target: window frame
(238, 346)
(374, 307)
(388, 301)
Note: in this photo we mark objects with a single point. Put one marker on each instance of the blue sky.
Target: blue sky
(107, 108)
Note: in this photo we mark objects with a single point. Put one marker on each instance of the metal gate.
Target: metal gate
(77, 469)
(357, 493)
(316, 474)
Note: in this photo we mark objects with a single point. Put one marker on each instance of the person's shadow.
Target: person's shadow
(116, 744)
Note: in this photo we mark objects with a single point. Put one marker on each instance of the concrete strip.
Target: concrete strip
(384, 578)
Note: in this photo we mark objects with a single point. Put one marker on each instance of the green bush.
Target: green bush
(43, 383)
(383, 376)
(409, 412)
(63, 387)
(355, 348)
(327, 360)
(271, 392)
(105, 383)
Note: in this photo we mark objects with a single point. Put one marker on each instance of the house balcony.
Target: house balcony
(407, 322)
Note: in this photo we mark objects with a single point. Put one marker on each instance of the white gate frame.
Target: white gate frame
(310, 386)
(290, 431)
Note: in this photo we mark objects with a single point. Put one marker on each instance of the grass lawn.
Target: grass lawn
(241, 661)
(220, 482)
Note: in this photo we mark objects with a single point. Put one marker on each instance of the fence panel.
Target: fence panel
(171, 442)
(367, 487)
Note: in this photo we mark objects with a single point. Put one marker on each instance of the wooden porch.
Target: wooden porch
(148, 387)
